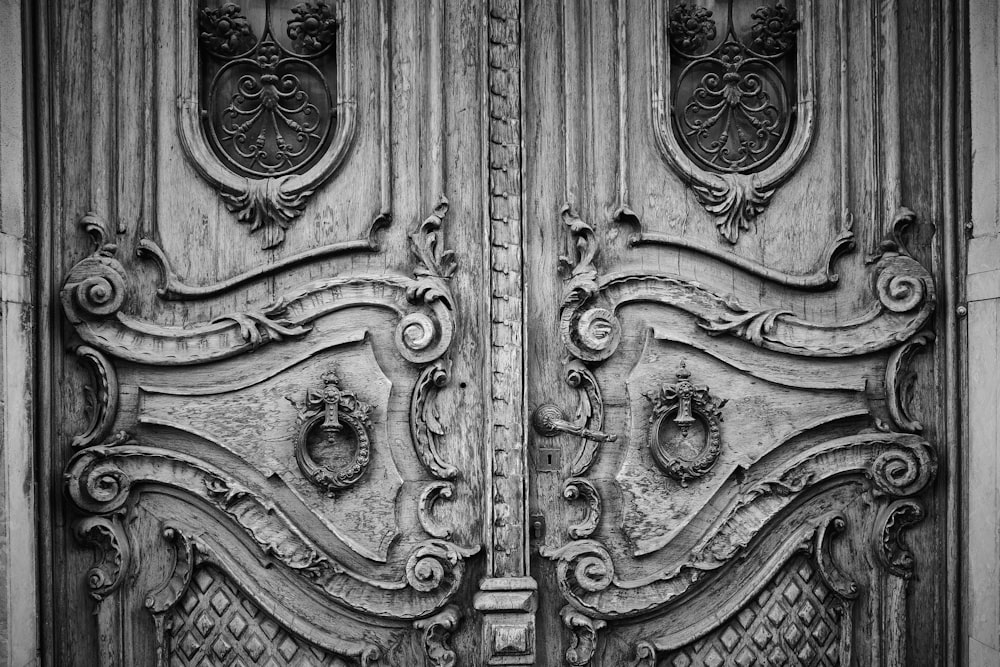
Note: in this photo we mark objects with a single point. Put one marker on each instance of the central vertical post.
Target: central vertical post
(507, 596)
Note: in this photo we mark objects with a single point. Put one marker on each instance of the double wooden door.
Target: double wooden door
(488, 333)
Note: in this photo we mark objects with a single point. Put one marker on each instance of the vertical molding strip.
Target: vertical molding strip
(507, 595)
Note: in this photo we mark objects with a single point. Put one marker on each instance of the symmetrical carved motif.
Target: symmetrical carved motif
(330, 409)
(795, 619)
(732, 136)
(677, 407)
(732, 109)
(263, 118)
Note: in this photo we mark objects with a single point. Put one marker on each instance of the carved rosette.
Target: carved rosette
(677, 407)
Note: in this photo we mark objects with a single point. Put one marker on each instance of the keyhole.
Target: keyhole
(548, 459)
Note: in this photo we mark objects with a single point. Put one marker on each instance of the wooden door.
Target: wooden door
(736, 263)
(480, 332)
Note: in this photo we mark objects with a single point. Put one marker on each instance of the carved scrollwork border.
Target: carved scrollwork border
(101, 479)
(190, 553)
(903, 291)
(895, 465)
(94, 296)
(103, 397)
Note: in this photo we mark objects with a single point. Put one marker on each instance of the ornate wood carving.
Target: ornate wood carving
(105, 479)
(583, 640)
(103, 397)
(684, 404)
(172, 287)
(266, 173)
(903, 291)
(899, 382)
(735, 177)
(507, 595)
(94, 292)
(202, 614)
(437, 632)
(330, 409)
(110, 542)
(796, 618)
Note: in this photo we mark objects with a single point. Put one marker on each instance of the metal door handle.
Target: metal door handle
(550, 420)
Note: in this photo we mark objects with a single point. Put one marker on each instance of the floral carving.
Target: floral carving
(691, 27)
(225, 30)
(773, 30)
(437, 631)
(313, 28)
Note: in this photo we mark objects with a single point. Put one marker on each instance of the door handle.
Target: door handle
(550, 420)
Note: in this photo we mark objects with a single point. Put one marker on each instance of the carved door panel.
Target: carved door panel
(277, 464)
(731, 338)
(489, 332)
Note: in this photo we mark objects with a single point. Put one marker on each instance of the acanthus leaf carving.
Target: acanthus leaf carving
(897, 465)
(94, 295)
(435, 265)
(102, 397)
(101, 479)
(583, 633)
(578, 488)
(437, 632)
(266, 167)
(892, 521)
(425, 427)
(109, 540)
(733, 172)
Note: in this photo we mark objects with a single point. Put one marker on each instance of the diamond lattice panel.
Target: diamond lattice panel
(795, 620)
(216, 625)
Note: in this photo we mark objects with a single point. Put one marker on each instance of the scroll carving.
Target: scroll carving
(891, 523)
(578, 488)
(897, 465)
(425, 429)
(722, 110)
(899, 381)
(437, 632)
(263, 121)
(583, 642)
(108, 538)
(330, 410)
(100, 479)
(102, 397)
(94, 298)
(902, 287)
